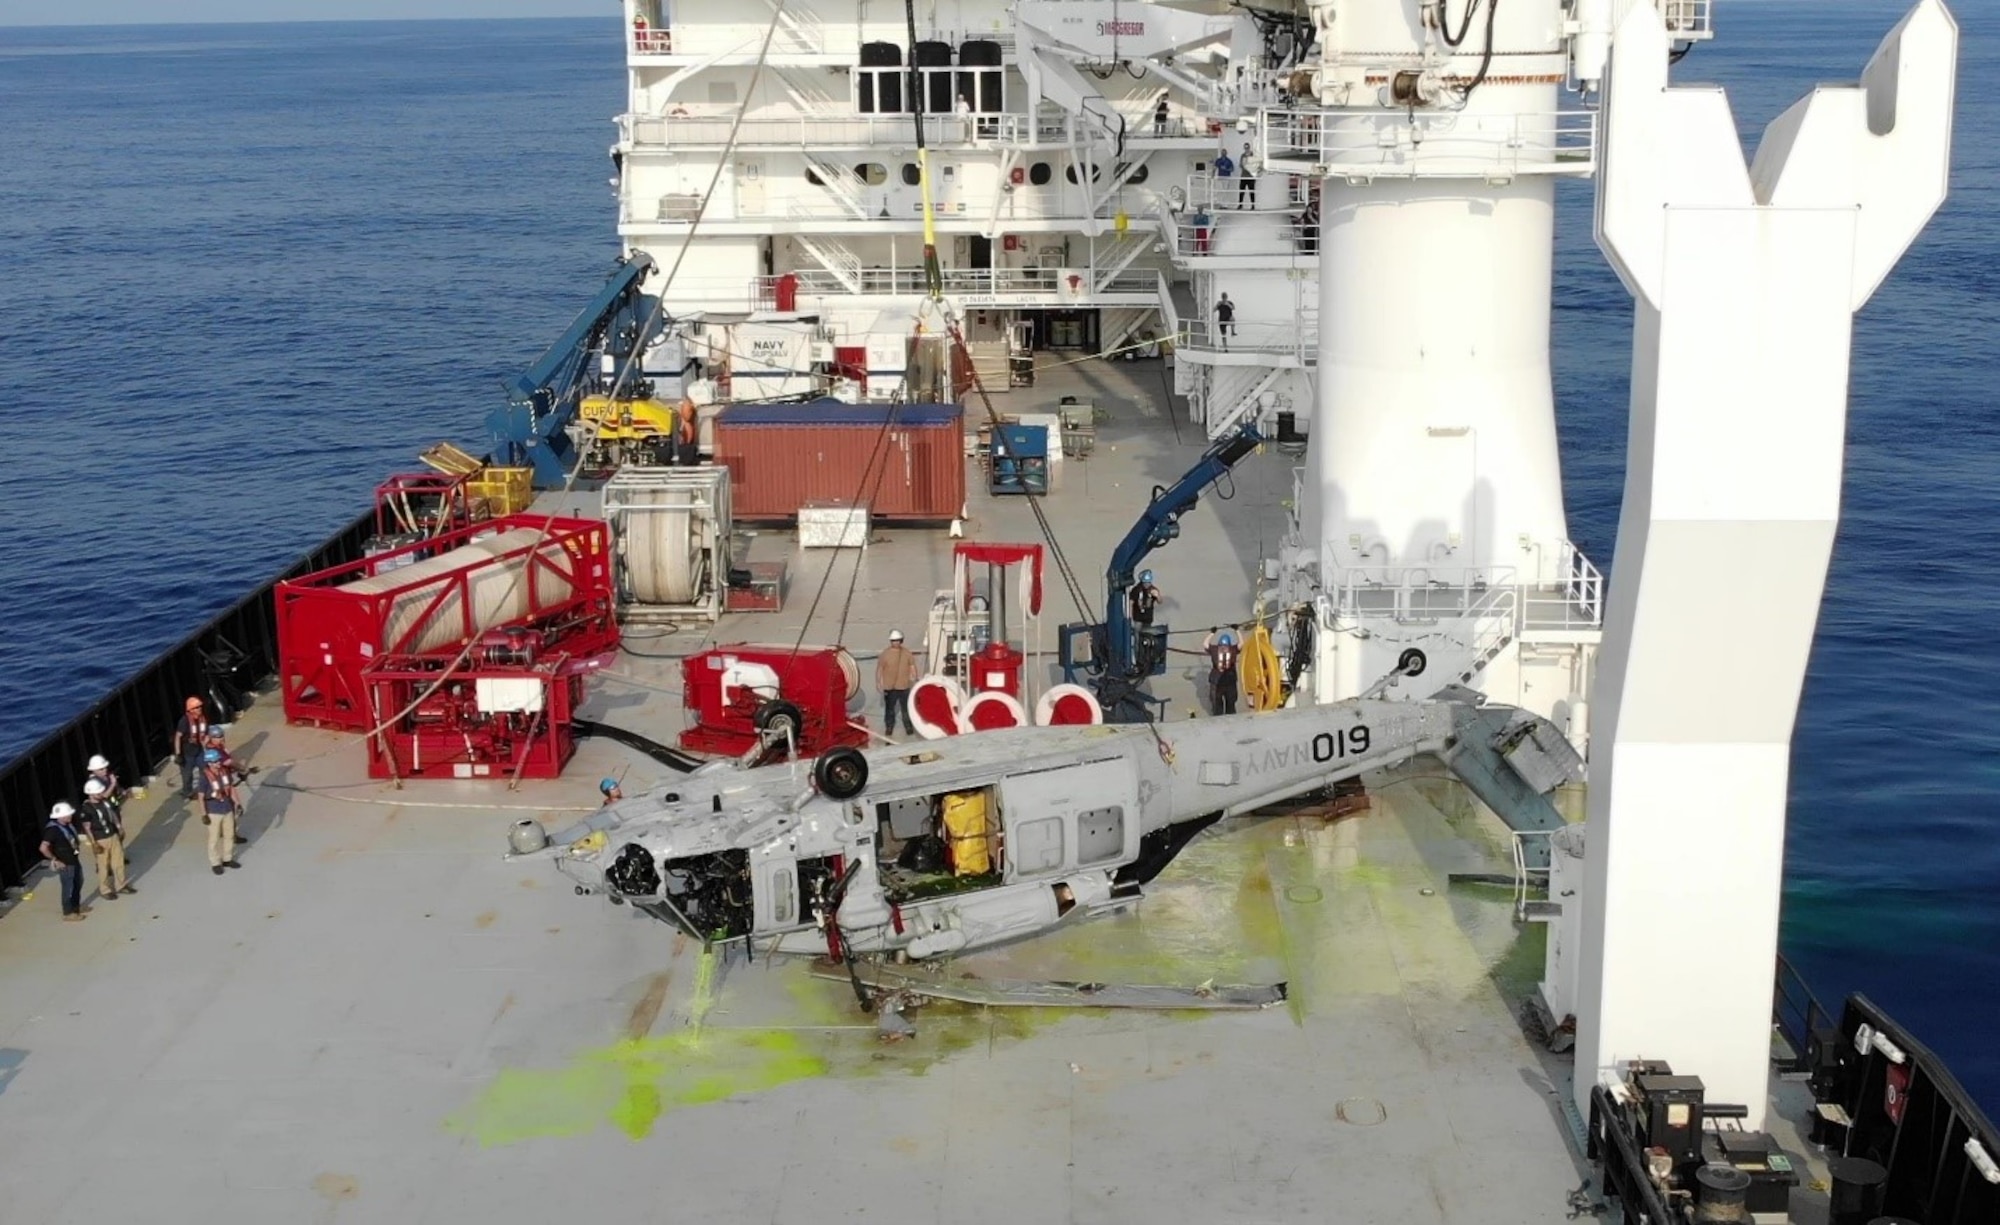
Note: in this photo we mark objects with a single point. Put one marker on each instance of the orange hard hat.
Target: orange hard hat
(194, 703)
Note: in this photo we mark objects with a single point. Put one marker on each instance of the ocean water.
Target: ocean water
(247, 270)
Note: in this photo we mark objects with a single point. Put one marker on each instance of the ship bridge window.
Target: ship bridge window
(911, 176)
(1039, 174)
(872, 173)
(1096, 171)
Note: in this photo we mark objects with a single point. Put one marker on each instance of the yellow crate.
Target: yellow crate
(450, 460)
(508, 491)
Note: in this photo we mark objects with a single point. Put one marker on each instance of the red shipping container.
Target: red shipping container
(905, 462)
(435, 596)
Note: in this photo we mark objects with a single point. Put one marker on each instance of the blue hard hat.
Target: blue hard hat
(607, 785)
(212, 756)
(1145, 576)
(1227, 639)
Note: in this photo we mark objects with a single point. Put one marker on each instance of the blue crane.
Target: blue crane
(1118, 661)
(532, 428)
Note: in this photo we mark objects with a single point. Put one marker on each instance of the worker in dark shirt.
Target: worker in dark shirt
(188, 744)
(60, 846)
(237, 775)
(1223, 655)
(218, 802)
(104, 829)
(99, 767)
(1144, 599)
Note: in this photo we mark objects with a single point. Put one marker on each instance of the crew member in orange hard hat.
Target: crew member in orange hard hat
(190, 737)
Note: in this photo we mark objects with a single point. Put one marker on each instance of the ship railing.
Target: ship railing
(1199, 235)
(1297, 339)
(694, 130)
(1569, 599)
(976, 283)
(1531, 848)
(1796, 1014)
(1220, 194)
(1574, 601)
(1688, 20)
(1364, 145)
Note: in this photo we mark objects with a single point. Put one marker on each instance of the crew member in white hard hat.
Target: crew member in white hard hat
(895, 672)
(62, 848)
(105, 831)
(99, 768)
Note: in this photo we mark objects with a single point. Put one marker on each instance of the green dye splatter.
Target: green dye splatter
(630, 1084)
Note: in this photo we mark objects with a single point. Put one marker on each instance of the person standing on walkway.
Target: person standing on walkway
(189, 736)
(60, 847)
(218, 803)
(1246, 182)
(104, 829)
(1160, 112)
(895, 672)
(1225, 319)
(1222, 659)
(99, 768)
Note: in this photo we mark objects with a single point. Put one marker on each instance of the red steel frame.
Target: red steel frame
(327, 636)
(454, 499)
(810, 679)
(440, 733)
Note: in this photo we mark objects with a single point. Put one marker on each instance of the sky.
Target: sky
(153, 12)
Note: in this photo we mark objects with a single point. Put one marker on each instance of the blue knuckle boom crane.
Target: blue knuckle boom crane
(532, 428)
(1117, 660)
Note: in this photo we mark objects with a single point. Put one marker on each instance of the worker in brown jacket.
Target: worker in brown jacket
(895, 672)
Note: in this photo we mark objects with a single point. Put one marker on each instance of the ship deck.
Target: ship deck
(380, 1019)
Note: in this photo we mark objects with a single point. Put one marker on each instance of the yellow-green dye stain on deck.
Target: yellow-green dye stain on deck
(631, 1083)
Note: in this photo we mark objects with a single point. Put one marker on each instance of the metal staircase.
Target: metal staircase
(799, 31)
(1231, 395)
(844, 264)
(838, 183)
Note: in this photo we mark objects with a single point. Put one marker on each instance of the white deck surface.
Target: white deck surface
(377, 1019)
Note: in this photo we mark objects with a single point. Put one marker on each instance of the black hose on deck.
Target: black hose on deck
(672, 758)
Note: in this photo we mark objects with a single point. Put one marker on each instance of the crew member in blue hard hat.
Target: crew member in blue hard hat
(236, 775)
(611, 791)
(1223, 655)
(1143, 599)
(218, 805)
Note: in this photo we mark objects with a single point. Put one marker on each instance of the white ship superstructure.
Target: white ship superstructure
(1072, 206)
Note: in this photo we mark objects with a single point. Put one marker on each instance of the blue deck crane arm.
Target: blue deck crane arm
(1115, 660)
(532, 427)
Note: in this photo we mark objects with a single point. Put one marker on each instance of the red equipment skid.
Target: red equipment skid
(328, 634)
(506, 712)
(426, 503)
(723, 688)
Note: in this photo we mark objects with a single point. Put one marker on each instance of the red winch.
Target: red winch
(505, 712)
(734, 692)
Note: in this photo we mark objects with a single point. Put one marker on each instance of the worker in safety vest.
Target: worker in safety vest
(1143, 600)
(1223, 656)
(105, 831)
(236, 774)
(99, 767)
(188, 737)
(895, 672)
(219, 809)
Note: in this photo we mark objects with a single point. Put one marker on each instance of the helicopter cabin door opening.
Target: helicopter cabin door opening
(938, 843)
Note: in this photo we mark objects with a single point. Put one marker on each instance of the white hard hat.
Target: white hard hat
(895, 635)
(61, 810)
(93, 786)
(97, 762)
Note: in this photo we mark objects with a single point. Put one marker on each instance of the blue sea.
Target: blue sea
(247, 270)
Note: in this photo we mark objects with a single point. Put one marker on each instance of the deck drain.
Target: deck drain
(1361, 1111)
(1304, 895)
